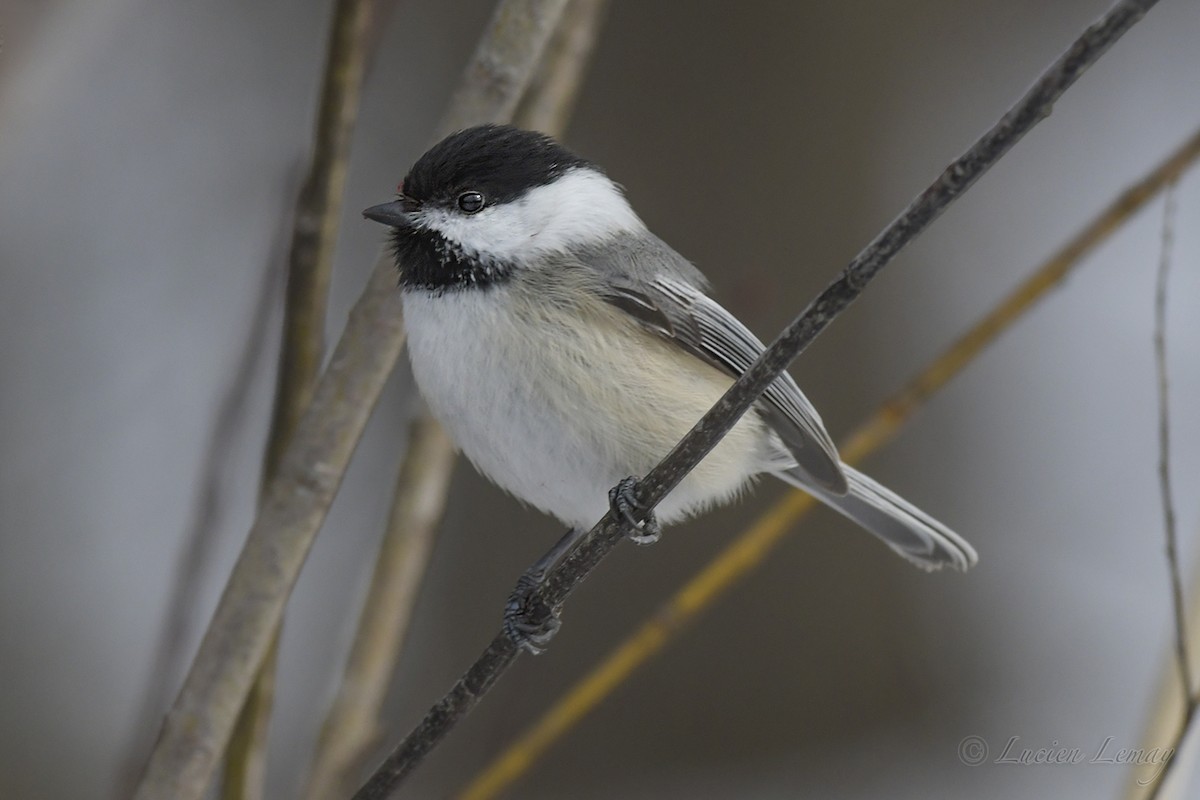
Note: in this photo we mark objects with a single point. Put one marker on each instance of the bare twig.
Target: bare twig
(957, 178)
(751, 547)
(1178, 603)
(318, 209)
(310, 264)
(352, 727)
(1164, 443)
(312, 466)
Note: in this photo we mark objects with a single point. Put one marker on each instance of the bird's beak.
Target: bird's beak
(397, 214)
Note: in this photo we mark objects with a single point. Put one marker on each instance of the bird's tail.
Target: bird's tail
(902, 526)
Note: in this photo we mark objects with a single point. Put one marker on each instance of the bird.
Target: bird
(566, 349)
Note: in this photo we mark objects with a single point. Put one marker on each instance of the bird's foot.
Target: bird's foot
(528, 621)
(622, 498)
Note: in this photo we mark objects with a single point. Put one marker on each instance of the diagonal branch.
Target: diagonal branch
(750, 548)
(311, 468)
(310, 265)
(957, 178)
(555, 86)
(192, 568)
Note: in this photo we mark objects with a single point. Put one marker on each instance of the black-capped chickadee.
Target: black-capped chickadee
(565, 348)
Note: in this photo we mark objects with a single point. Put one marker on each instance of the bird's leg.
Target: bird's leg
(529, 623)
(623, 500)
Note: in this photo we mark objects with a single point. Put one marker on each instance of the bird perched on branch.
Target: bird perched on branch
(566, 349)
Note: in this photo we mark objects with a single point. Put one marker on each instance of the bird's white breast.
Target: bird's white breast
(557, 401)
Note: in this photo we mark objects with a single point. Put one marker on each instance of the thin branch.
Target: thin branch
(352, 727)
(956, 179)
(1164, 444)
(1178, 603)
(751, 547)
(318, 209)
(310, 265)
(311, 468)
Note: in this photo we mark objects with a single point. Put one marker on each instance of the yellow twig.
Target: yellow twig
(752, 546)
(245, 774)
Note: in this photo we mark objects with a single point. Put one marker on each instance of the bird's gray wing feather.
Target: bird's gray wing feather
(902, 526)
(665, 293)
(671, 304)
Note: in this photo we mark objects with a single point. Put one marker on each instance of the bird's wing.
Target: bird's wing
(681, 312)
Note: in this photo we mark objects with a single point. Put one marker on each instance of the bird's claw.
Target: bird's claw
(528, 621)
(622, 498)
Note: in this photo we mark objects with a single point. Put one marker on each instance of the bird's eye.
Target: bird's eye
(470, 202)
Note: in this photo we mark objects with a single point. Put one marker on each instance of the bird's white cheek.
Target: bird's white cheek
(498, 233)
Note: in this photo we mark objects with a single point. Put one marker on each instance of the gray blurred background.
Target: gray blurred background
(149, 157)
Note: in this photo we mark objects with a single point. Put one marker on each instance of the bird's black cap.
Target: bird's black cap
(500, 161)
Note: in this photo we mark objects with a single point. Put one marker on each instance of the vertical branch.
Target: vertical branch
(314, 461)
(318, 209)
(310, 264)
(1164, 445)
(352, 727)
(1178, 602)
